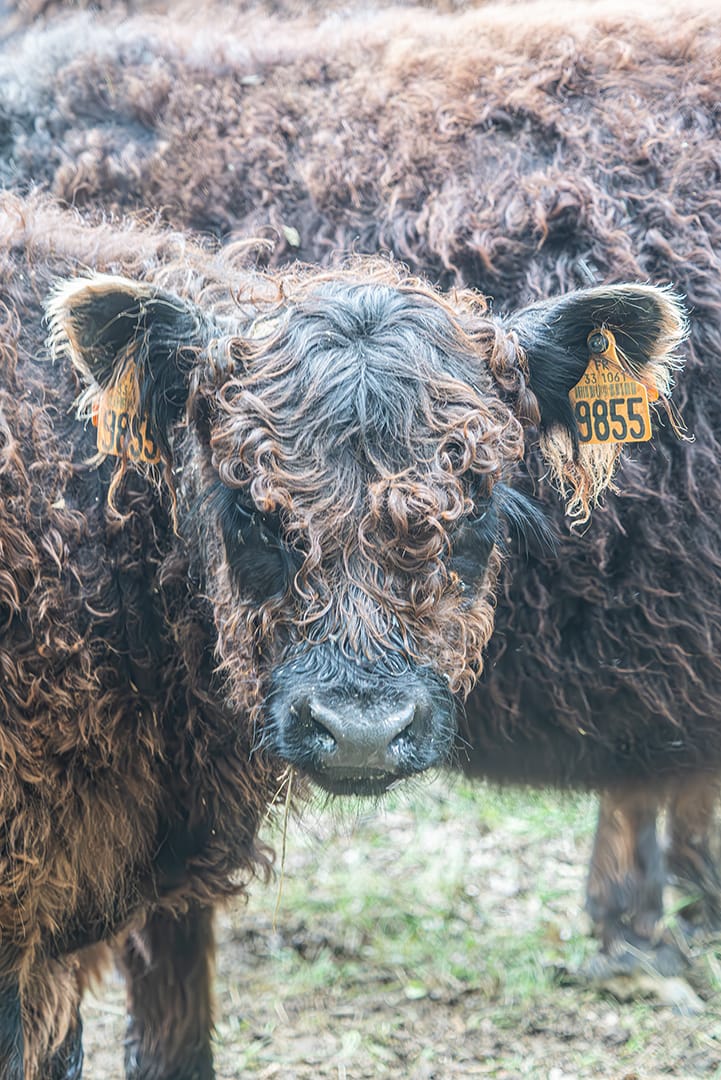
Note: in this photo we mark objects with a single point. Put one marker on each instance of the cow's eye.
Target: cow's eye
(261, 562)
(267, 527)
(473, 543)
(506, 518)
(523, 523)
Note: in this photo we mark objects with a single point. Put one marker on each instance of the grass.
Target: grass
(453, 893)
(404, 892)
(423, 937)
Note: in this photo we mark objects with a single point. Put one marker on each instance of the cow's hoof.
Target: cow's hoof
(67, 1063)
(625, 958)
(671, 991)
(700, 922)
(635, 969)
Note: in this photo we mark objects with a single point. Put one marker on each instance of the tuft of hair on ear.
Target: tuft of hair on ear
(93, 320)
(649, 324)
(105, 324)
(116, 330)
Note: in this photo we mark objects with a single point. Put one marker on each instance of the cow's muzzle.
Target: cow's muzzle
(361, 731)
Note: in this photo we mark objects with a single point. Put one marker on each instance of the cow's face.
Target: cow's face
(347, 457)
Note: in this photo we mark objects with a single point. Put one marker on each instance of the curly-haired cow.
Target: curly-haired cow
(522, 157)
(269, 535)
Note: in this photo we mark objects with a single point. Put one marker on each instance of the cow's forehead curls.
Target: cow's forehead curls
(383, 340)
(371, 310)
(347, 337)
(351, 382)
(365, 298)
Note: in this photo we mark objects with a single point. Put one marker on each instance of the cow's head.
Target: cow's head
(343, 459)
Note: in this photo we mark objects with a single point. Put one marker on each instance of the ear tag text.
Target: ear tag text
(609, 405)
(121, 430)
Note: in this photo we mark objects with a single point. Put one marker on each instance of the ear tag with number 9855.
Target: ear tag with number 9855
(122, 432)
(609, 405)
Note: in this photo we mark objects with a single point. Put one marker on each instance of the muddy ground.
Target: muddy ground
(433, 937)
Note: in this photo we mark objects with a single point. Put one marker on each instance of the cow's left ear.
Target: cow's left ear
(648, 325)
(130, 335)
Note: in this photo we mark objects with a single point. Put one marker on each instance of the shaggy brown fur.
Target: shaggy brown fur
(512, 152)
(22, 13)
(334, 454)
(480, 144)
(517, 153)
(125, 781)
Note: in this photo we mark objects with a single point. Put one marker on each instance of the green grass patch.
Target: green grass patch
(412, 889)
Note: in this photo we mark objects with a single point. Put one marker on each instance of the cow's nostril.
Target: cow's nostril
(416, 728)
(301, 714)
(350, 739)
(311, 728)
(403, 739)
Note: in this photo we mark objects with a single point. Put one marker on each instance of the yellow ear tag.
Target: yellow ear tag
(609, 405)
(121, 430)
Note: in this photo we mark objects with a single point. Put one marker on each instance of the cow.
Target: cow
(522, 157)
(250, 522)
(18, 14)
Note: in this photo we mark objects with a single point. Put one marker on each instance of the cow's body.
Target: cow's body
(510, 155)
(303, 569)
(519, 155)
(129, 792)
(516, 161)
(509, 148)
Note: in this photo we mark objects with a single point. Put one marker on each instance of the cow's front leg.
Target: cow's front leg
(694, 850)
(67, 1061)
(168, 965)
(50, 992)
(11, 1029)
(624, 894)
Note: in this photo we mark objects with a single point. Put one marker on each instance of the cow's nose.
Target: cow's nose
(353, 739)
(356, 728)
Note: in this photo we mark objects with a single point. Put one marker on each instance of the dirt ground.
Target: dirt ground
(433, 937)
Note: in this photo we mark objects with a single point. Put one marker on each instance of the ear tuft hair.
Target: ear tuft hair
(104, 322)
(649, 324)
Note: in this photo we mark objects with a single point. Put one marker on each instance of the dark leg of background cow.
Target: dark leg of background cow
(694, 850)
(11, 1030)
(624, 894)
(168, 965)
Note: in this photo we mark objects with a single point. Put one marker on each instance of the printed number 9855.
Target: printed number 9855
(122, 432)
(612, 420)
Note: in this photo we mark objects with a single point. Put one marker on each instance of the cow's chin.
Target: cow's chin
(363, 783)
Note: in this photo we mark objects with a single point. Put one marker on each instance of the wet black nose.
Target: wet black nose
(353, 737)
(358, 745)
(353, 725)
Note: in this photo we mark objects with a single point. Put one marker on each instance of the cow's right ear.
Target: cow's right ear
(120, 331)
(552, 342)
